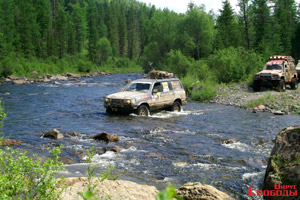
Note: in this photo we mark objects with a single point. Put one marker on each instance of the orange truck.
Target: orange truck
(278, 72)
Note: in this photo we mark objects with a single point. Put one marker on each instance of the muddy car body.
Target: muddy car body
(144, 95)
(278, 72)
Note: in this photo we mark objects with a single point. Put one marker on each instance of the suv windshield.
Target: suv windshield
(273, 67)
(138, 87)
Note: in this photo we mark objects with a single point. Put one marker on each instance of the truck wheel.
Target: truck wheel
(294, 84)
(282, 86)
(176, 107)
(143, 110)
(256, 86)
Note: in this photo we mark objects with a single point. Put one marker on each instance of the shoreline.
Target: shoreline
(243, 96)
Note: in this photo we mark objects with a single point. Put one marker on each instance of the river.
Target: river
(164, 148)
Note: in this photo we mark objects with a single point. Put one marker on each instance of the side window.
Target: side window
(176, 85)
(157, 87)
(170, 85)
(165, 86)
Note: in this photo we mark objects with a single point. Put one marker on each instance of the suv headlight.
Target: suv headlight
(127, 101)
(106, 100)
(256, 76)
(276, 76)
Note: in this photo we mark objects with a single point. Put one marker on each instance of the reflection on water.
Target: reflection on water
(166, 147)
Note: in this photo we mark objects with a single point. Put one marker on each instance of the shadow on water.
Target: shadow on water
(166, 147)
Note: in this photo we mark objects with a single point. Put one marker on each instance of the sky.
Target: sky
(180, 6)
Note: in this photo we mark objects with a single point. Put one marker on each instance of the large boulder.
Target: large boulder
(284, 163)
(53, 134)
(106, 137)
(114, 190)
(199, 191)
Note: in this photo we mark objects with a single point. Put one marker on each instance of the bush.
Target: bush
(178, 63)
(234, 64)
(22, 177)
(204, 91)
(168, 194)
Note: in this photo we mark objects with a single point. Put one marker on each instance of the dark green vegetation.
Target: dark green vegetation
(56, 36)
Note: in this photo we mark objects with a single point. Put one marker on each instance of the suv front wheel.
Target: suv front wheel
(143, 110)
(282, 85)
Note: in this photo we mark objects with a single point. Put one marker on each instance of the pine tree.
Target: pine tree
(43, 19)
(199, 26)
(246, 23)
(134, 39)
(285, 16)
(227, 28)
(79, 23)
(92, 30)
(61, 30)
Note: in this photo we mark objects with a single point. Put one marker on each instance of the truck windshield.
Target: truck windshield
(138, 87)
(273, 67)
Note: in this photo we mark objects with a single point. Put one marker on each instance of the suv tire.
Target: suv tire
(143, 110)
(282, 85)
(256, 86)
(176, 106)
(294, 84)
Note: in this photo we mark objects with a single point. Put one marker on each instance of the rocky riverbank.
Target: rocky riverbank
(127, 190)
(267, 100)
(47, 78)
(283, 171)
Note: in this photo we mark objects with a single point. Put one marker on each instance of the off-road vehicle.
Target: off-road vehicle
(156, 91)
(278, 72)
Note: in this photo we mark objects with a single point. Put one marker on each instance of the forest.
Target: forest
(57, 36)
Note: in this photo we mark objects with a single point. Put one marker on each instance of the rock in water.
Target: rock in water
(53, 134)
(284, 163)
(114, 149)
(199, 191)
(108, 189)
(10, 142)
(106, 137)
(19, 82)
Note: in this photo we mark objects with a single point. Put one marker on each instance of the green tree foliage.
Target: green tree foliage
(267, 36)
(38, 34)
(234, 64)
(228, 33)
(104, 51)
(285, 14)
(199, 27)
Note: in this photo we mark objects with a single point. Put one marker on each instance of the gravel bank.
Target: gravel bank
(267, 100)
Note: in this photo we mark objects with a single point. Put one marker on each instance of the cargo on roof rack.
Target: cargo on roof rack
(156, 74)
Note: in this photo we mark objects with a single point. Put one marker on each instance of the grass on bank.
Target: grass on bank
(18, 65)
(267, 99)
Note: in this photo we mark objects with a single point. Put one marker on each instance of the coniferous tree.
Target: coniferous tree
(134, 39)
(200, 28)
(285, 16)
(92, 30)
(227, 28)
(267, 39)
(79, 23)
(246, 23)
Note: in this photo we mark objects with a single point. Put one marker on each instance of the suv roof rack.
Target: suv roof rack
(156, 74)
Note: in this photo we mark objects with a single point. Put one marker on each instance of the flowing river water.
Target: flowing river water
(164, 148)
